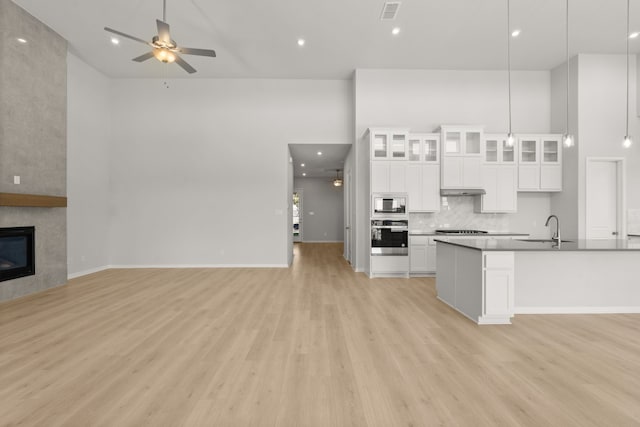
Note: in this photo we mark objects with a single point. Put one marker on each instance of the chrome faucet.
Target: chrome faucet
(556, 235)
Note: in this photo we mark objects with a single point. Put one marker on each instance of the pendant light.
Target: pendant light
(567, 138)
(627, 141)
(338, 181)
(510, 138)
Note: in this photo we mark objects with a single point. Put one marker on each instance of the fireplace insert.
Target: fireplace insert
(17, 252)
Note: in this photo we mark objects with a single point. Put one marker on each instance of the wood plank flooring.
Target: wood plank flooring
(312, 345)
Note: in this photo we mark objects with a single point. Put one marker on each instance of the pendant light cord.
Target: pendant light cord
(509, 57)
(627, 117)
(567, 55)
(164, 10)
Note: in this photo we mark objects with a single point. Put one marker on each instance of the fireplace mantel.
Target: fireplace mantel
(32, 200)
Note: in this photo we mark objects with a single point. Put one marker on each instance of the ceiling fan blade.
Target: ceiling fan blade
(201, 52)
(163, 31)
(188, 68)
(111, 30)
(144, 57)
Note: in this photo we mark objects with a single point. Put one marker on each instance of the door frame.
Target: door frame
(621, 193)
(346, 174)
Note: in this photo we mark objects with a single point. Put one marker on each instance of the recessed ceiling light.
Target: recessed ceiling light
(634, 35)
(319, 153)
(395, 31)
(21, 40)
(304, 174)
(115, 41)
(301, 42)
(515, 33)
(302, 164)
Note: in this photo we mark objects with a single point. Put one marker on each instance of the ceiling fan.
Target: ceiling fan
(164, 48)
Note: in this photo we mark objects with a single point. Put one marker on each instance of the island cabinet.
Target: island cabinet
(499, 176)
(461, 156)
(479, 285)
(423, 173)
(540, 163)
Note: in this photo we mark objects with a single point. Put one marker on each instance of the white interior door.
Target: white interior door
(602, 200)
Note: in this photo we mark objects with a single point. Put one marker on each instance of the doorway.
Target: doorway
(605, 198)
(297, 215)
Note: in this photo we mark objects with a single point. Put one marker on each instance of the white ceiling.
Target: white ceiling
(257, 38)
(316, 166)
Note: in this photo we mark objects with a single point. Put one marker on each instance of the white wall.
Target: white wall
(88, 139)
(602, 98)
(199, 171)
(289, 197)
(322, 210)
(424, 99)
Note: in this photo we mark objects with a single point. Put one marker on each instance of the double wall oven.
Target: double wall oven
(389, 225)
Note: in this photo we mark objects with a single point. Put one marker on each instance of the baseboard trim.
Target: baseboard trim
(321, 241)
(86, 272)
(125, 266)
(577, 310)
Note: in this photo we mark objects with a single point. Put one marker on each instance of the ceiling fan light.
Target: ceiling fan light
(164, 55)
(627, 142)
(337, 182)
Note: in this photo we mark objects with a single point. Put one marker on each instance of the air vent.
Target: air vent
(390, 10)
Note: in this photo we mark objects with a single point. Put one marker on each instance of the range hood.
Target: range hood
(462, 192)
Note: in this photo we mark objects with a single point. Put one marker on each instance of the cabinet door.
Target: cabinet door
(551, 177)
(430, 188)
(414, 149)
(528, 177)
(431, 154)
(398, 147)
(431, 256)
(452, 172)
(507, 153)
(418, 254)
(472, 172)
(491, 150)
(472, 142)
(398, 177)
(379, 177)
(529, 150)
(506, 189)
(452, 142)
(551, 150)
(490, 184)
(414, 187)
(379, 146)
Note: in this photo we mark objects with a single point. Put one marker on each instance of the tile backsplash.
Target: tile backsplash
(458, 214)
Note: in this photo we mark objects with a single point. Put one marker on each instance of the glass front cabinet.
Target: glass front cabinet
(540, 163)
(389, 144)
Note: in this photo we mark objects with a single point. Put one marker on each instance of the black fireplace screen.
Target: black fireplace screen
(17, 255)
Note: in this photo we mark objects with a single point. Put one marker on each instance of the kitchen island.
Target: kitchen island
(490, 281)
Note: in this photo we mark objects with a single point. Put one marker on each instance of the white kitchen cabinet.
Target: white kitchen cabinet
(388, 177)
(388, 144)
(501, 185)
(422, 255)
(423, 173)
(540, 163)
(424, 148)
(497, 151)
(461, 156)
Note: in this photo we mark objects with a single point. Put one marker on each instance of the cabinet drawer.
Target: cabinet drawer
(498, 261)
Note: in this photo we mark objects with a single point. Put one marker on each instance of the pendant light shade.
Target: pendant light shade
(510, 138)
(627, 141)
(567, 139)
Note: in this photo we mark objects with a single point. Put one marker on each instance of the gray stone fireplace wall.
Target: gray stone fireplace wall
(33, 135)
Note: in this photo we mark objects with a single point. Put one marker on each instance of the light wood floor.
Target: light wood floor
(313, 345)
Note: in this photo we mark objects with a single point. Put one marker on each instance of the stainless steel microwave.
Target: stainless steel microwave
(389, 205)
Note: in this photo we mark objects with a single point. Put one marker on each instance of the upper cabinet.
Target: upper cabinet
(540, 163)
(461, 140)
(389, 144)
(497, 151)
(461, 157)
(424, 148)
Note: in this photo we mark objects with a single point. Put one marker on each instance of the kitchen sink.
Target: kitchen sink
(544, 241)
